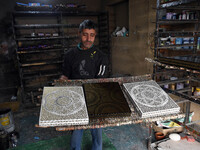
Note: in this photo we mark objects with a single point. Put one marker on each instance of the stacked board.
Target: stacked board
(150, 99)
(75, 105)
(63, 106)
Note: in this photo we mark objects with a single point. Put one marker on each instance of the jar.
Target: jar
(169, 16)
(191, 15)
(173, 40)
(174, 16)
(172, 86)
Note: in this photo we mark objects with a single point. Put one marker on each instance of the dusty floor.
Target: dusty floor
(128, 137)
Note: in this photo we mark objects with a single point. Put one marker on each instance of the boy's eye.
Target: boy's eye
(92, 35)
(84, 34)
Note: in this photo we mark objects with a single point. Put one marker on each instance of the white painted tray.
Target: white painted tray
(150, 99)
(63, 106)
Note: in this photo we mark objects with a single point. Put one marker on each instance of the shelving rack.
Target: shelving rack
(179, 60)
(40, 54)
(168, 30)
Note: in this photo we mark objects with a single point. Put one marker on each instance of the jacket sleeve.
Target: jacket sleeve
(66, 67)
(103, 66)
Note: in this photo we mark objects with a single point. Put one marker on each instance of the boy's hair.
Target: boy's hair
(87, 24)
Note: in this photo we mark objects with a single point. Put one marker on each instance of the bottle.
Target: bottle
(184, 16)
(197, 92)
(198, 44)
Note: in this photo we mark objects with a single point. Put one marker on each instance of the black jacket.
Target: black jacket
(85, 64)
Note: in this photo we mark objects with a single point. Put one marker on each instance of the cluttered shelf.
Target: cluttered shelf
(41, 63)
(170, 66)
(35, 26)
(180, 8)
(177, 61)
(175, 45)
(44, 75)
(39, 51)
(64, 13)
(176, 21)
(46, 38)
(170, 3)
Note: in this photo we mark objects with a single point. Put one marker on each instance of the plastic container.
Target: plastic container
(6, 120)
(179, 41)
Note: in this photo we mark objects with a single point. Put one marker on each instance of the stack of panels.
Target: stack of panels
(63, 106)
(150, 99)
(105, 100)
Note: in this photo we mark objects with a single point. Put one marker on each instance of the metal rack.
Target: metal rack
(178, 60)
(40, 57)
(175, 7)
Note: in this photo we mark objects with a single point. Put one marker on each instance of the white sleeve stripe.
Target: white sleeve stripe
(104, 67)
(100, 70)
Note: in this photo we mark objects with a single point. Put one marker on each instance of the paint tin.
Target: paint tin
(163, 41)
(172, 86)
(173, 40)
(179, 41)
(6, 120)
(179, 86)
(4, 141)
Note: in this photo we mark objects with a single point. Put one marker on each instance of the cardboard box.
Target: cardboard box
(14, 106)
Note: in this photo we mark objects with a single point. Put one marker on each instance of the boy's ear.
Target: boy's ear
(79, 33)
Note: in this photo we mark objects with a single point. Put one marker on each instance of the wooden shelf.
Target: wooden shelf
(42, 75)
(39, 51)
(40, 63)
(175, 46)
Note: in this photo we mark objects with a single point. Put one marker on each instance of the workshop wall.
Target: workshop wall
(128, 53)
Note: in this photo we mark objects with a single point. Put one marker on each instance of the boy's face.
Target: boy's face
(87, 38)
